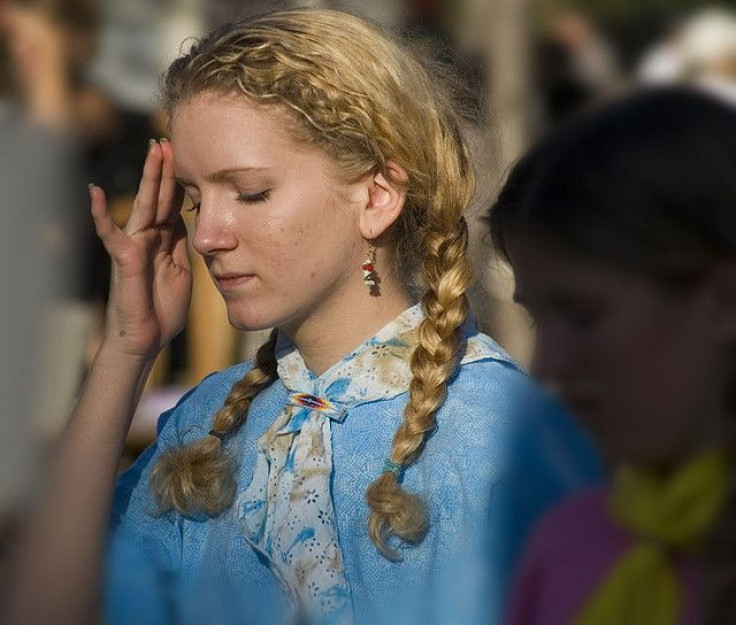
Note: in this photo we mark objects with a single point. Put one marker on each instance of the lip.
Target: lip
(231, 281)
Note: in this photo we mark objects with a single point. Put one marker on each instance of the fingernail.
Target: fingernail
(151, 143)
(91, 185)
(163, 140)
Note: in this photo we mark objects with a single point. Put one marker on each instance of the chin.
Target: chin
(251, 322)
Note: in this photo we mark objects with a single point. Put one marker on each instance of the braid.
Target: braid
(201, 477)
(343, 84)
(448, 275)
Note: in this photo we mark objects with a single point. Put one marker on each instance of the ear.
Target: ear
(385, 201)
(723, 278)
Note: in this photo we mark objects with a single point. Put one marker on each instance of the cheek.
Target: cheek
(295, 251)
(657, 363)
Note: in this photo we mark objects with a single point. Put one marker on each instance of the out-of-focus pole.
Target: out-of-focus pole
(500, 33)
(508, 57)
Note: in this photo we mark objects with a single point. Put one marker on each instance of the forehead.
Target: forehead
(544, 268)
(211, 132)
(212, 116)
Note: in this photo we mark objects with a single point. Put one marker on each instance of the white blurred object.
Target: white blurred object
(37, 170)
(708, 38)
(705, 44)
(67, 327)
(179, 26)
(138, 39)
(700, 53)
(662, 64)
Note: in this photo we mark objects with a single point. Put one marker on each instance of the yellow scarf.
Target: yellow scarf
(672, 513)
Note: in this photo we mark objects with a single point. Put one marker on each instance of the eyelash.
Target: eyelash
(254, 198)
(246, 198)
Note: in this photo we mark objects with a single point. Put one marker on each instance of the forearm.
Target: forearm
(61, 558)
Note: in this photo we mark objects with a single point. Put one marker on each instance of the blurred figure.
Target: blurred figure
(52, 44)
(38, 255)
(700, 51)
(622, 234)
(575, 68)
(48, 42)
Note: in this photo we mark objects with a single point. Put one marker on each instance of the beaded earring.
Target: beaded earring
(370, 278)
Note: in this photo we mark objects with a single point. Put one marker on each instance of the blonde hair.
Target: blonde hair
(353, 91)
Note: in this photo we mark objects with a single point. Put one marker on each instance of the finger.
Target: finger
(179, 249)
(171, 195)
(146, 200)
(111, 236)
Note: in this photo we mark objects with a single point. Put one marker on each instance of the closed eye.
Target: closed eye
(254, 198)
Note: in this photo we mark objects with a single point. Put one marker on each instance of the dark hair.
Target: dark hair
(649, 182)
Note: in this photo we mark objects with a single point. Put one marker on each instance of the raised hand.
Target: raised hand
(151, 277)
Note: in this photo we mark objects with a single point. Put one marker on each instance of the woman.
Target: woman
(329, 177)
(622, 233)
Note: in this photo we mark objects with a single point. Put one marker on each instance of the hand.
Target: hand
(151, 277)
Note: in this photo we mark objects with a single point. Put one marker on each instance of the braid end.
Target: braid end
(394, 511)
(197, 478)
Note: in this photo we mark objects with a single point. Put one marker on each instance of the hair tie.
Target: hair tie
(216, 434)
(394, 467)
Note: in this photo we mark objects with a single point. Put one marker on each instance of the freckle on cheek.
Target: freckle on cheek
(313, 274)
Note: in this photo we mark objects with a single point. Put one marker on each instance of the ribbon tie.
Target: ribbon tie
(671, 514)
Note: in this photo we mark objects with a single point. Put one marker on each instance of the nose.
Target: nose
(213, 230)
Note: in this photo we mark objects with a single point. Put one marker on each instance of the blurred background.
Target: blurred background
(78, 83)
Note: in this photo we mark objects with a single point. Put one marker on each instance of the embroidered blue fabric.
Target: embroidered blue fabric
(501, 455)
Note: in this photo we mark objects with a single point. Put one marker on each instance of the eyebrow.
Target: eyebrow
(220, 176)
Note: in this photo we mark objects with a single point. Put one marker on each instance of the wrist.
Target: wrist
(112, 349)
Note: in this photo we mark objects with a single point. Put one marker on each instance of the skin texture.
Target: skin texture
(639, 362)
(282, 236)
(282, 228)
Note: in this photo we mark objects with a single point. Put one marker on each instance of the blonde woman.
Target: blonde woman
(369, 465)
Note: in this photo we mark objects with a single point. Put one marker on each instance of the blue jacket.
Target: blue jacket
(502, 454)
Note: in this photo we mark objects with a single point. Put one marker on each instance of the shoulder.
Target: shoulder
(493, 409)
(491, 386)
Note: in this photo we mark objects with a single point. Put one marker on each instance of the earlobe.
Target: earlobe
(385, 202)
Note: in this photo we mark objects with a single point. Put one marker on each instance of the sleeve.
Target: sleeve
(516, 454)
(144, 547)
(524, 596)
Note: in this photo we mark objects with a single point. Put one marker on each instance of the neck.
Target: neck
(328, 335)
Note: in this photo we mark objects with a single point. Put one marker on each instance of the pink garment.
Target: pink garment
(571, 550)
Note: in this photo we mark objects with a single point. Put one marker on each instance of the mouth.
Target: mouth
(231, 281)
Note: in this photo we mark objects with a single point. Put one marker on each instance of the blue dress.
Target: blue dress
(501, 455)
